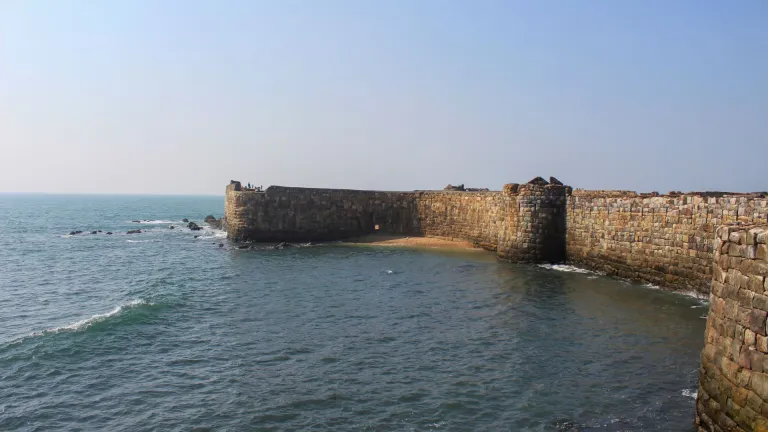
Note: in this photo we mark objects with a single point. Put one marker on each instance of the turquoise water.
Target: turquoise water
(162, 331)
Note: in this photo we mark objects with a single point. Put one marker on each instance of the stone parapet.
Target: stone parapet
(522, 223)
(733, 378)
(664, 240)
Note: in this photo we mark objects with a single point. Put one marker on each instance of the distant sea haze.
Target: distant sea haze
(163, 330)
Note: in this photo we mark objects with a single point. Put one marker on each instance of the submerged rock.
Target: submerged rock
(221, 245)
(75, 232)
(94, 232)
(109, 232)
(136, 221)
(100, 231)
(138, 231)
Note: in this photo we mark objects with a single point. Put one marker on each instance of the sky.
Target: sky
(180, 97)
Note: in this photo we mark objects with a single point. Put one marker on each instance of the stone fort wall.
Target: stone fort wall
(708, 242)
(733, 378)
(521, 223)
(665, 240)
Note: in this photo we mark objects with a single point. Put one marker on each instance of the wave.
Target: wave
(702, 298)
(156, 222)
(566, 268)
(690, 393)
(212, 233)
(85, 323)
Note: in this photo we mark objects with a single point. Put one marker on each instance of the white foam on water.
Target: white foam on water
(690, 393)
(565, 268)
(702, 298)
(137, 241)
(212, 233)
(157, 222)
(388, 271)
(85, 323)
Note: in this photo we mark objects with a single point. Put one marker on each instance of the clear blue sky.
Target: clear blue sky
(154, 96)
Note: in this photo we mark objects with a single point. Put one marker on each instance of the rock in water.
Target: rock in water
(75, 232)
(213, 222)
(135, 221)
(221, 245)
(138, 231)
(94, 232)
(185, 220)
(193, 226)
(109, 232)
(283, 245)
(171, 227)
(197, 236)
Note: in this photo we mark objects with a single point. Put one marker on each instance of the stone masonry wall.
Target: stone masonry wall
(522, 223)
(477, 217)
(537, 233)
(733, 379)
(664, 240)
(303, 214)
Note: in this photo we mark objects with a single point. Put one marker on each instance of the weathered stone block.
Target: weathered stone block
(756, 360)
(759, 301)
(757, 321)
(745, 298)
(759, 384)
(761, 252)
(749, 337)
(734, 237)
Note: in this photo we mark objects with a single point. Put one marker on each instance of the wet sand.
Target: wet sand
(416, 242)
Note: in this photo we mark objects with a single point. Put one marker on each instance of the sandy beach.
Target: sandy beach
(416, 242)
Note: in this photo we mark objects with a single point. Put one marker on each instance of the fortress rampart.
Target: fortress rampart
(733, 379)
(712, 243)
(666, 240)
(521, 223)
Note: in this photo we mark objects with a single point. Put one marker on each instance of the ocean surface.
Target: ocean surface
(162, 331)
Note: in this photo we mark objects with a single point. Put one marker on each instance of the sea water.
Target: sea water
(165, 331)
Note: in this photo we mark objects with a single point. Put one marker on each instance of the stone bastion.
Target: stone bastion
(710, 243)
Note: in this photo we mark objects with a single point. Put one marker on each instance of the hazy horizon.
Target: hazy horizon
(180, 97)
